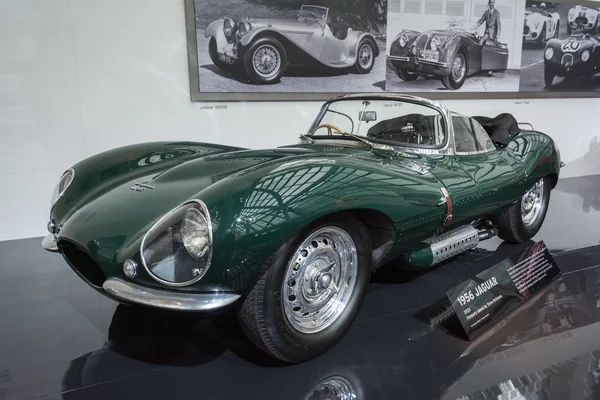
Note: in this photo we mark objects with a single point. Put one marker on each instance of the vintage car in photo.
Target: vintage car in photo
(590, 14)
(571, 58)
(451, 55)
(263, 48)
(286, 238)
(540, 25)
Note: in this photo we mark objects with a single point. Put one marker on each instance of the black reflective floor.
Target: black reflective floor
(60, 339)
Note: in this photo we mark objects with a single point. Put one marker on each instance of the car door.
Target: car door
(485, 164)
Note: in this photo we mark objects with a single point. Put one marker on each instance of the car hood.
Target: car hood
(282, 24)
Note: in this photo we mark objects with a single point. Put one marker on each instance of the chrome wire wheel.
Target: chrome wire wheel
(532, 203)
(458, 68)
(365, 56)
(319, 280)
(266, 61)
(334, 387)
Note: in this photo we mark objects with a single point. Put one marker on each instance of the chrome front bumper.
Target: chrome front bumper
(178, 301)
(49, 243)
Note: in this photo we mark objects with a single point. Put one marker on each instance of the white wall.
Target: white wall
(83, 76)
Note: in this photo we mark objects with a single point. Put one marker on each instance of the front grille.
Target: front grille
(421, 41)
(82, 263)
(567, 61)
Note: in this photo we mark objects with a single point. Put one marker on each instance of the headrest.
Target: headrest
(502, 128)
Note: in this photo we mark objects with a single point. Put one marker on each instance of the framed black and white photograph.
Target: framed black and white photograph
(454, 45)
(561, 47)
(290, 48)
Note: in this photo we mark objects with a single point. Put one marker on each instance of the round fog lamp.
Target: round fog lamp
(130, 268)
(549, 53)
(585, 55)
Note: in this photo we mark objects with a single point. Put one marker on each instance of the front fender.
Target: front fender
(358, 37)
(250, 36)
(99, 173)
(257, 210)
(215, 30)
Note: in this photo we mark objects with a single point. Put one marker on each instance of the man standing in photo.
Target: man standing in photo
(491, 17)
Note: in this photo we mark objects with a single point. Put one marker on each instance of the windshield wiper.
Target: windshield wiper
(306, 137)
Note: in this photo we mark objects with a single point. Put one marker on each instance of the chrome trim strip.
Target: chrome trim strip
(178, 301)
(398, 58)
(65, 189)
(49, 243)
(165, 217)
(436, 63)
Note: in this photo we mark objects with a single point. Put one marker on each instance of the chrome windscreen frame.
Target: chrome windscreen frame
(446, 149)
(165, 218)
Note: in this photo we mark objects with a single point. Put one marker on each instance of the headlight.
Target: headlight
(585, 55)
(61, 187)
(177, 250)
(229, 27)
(244, 27)
(549, 53)
(403, 40)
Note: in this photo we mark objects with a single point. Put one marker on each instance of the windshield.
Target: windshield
(314, 11)
(400, 122)
(464, 26)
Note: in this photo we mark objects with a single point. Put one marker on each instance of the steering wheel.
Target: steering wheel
(329, 128)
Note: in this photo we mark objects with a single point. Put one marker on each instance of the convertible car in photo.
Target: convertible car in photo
(590, 14)
(540, 25)
(452, 55)
(286, 238)
(571, 58)
(263, 48)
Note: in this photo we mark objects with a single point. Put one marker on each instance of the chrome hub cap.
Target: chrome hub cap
(458, 68)
(532, 202)
(365, 56)
(319, 280)
(266, 61)
(334, 387)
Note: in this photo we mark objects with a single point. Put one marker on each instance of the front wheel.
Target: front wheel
(306, 296)
(265, 61)
(365, 59)
(458, 73)
(523, 220)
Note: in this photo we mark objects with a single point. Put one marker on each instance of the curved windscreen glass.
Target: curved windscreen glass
(400, 122)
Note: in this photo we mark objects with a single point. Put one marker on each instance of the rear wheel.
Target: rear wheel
(306, 296)
(523, 220)
(458, 73)
(406, 75)
(557, 30)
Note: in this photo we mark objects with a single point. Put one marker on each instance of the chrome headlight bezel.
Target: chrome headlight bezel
(58, 191)
(229, 27)
(244, 27)
(585, 55)
(403, 40)
(174, 217)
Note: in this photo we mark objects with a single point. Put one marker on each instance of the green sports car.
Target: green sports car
(287, 237)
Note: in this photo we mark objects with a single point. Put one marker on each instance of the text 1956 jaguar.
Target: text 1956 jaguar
(452, 55)
(263, 48)
(288, 236)
(576, 56)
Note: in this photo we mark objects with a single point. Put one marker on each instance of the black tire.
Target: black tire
(557, 30)
(542, 37)
(214, 57)
(406, 75)
(511, 227)
(548, 76)
(262, 313)
(364, 67)
(276, 50)
(452, 82)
